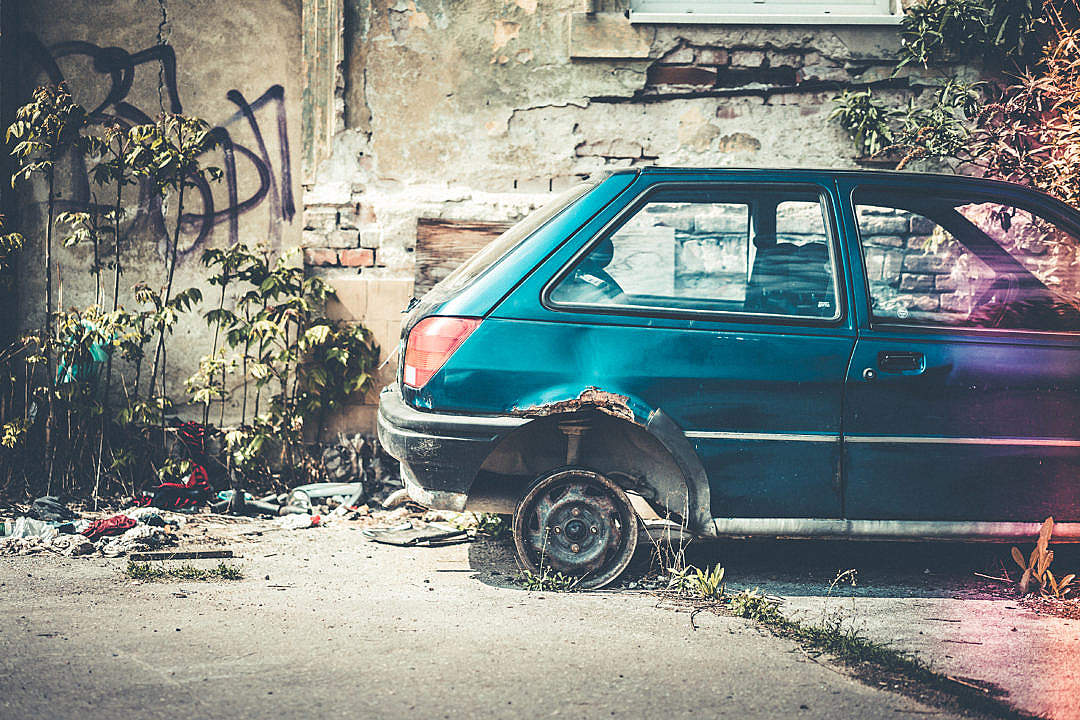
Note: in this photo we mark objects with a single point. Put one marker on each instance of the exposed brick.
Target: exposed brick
(371, 237)
(342, 239)
(331, 193)
(778, 58)
(356, 218)
(733, 77)
(823, 73)
(945, 283)
(681, 75)
(956, 302)
(738, 142)
(921, 225)
(333, 238)
(747, 58)
(885, 240)
(608, 148)
(320, 218)
(712, 56)
(890, 268)
(916, 283)
(320, 256)
(682, 56)
(937, 264)
(926, 303)
(358, 257)
(882, 225)
(875, 263)
(312, 238)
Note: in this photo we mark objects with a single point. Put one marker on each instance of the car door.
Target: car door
(721, 304)
(962, 401)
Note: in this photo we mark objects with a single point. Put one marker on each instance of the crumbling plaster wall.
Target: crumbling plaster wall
(117, 58)
(478, 110)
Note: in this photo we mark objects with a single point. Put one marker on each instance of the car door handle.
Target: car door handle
(903, 362)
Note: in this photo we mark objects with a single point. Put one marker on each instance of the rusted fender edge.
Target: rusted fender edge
(591, 398)
(656, 423)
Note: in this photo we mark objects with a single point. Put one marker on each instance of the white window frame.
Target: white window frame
(767, 12)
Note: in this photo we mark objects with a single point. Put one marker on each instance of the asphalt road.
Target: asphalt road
(328, 624)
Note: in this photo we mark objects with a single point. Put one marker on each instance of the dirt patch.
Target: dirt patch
(1068, 609)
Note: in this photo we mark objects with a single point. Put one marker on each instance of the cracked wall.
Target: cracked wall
(476, 111)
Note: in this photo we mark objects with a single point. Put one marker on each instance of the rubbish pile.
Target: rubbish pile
(362, 489)
(357, 470)
(361, 477)
(51, 526)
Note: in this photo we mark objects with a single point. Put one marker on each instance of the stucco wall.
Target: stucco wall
(395, 111)
(476, 111)
(134, 59)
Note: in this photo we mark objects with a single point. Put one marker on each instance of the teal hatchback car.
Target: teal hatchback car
(784, 353)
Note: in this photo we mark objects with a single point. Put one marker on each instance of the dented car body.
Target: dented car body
(787, 353)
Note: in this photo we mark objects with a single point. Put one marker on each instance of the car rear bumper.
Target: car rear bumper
(440, 454)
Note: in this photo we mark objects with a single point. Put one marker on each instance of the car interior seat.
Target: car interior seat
(790, 279)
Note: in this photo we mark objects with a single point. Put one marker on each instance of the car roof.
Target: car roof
(905, 177)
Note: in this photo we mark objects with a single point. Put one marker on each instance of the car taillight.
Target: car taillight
(431, 343)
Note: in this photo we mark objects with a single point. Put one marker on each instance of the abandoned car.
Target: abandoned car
(784, 353)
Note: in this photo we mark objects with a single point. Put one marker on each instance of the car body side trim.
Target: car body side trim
(785, 437)
(882, 439)
(931, 440)
(958, 530)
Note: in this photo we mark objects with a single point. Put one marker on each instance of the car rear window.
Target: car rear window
(498, 248)
(967, 262)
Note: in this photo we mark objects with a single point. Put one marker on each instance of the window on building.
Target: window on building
(820, 12)
(967, 263)
(743, 252)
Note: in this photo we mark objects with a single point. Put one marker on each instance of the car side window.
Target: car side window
(964, 262)
(747, 252)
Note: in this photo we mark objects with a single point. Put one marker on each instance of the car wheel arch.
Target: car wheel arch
(645, 453)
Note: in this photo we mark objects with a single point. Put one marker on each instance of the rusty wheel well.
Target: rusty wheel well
(622, 450)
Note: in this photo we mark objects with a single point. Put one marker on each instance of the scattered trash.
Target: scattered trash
(146, 516)
(114, 525)
(192, 492)
(227, 496)
(252, 505)
(398, 497)
(174, 512)
(258, 506)
(50, 509)
(340, 493)
(417, 534)
(140, 537)
(80, 545)
(202, 445)
(26, 527)
(298, 522)
(360, 458)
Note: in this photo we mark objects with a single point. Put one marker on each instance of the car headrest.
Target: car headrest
(601, 255)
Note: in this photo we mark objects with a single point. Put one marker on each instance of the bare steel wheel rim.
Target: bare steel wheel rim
(576, 522)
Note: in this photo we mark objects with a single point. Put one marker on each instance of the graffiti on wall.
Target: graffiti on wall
(112, 77)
